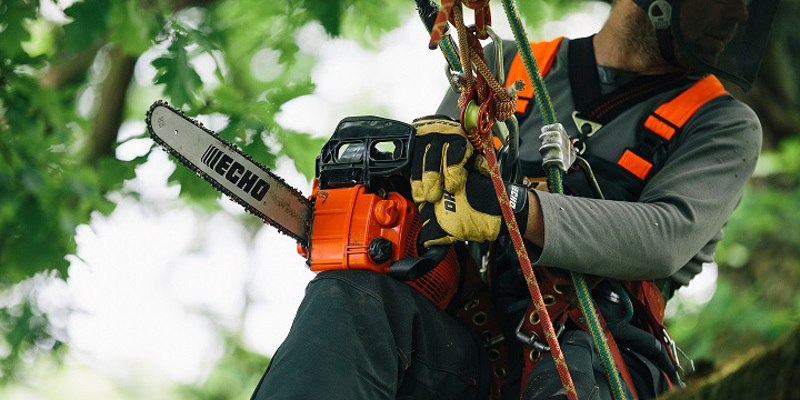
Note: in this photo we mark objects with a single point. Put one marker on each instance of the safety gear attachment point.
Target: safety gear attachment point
(660, 14)
(557, 149)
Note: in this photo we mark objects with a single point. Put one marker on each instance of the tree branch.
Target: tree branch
(112, 104)
(69, 69)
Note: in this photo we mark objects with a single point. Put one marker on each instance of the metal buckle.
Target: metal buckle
(586, 128)
(533, 339)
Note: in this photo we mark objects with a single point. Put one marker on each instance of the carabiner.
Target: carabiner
(455, 79)
(499, 68)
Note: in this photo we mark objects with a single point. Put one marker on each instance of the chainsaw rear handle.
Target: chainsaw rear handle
(410, 269)
(364, 217)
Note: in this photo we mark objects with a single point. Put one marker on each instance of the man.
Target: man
(362, 335)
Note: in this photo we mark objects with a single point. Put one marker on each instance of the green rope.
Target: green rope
(531, 67)
(450, 51)
(555, 178)
(596, 331)
(626, 301)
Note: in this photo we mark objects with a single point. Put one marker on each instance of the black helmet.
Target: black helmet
(730, 47)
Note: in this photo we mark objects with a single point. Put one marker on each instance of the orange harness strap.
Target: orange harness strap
(670, 117)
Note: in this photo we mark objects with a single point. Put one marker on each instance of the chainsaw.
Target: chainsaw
(359, 215)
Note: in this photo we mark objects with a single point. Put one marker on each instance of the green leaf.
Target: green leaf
(181, 82)
(303, 149)
(367, 20)
(13, 14)
(88, 26)
(35, 243)
(132, 26)
(113, 172)
(328, 13)
(260, 152)
(193, 187)
(291, 91)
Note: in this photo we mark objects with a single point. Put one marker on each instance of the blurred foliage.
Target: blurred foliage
(66, 89)
(234, 377)
(765, 372)
(536, 13)
(25, 328)
(734, 321)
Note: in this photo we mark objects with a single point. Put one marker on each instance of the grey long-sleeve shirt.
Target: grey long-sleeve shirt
(676, 223)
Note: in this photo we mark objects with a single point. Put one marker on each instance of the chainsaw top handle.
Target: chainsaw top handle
(367, 150)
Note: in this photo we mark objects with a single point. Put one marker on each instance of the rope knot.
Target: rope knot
(505, 106)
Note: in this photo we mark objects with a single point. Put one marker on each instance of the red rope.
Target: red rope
(527, 269)
(496, 103)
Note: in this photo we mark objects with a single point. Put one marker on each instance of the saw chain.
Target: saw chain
(246, 181)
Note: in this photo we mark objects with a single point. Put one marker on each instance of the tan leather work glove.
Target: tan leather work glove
(471, 213)
(441, 150)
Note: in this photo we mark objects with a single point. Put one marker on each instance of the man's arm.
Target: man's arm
(679, 211)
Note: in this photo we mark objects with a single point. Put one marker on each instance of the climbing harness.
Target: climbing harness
(656, 130)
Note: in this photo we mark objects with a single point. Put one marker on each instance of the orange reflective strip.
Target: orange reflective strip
(678, 110)
(659, 127)
(497, 143)
(635, 164)
(545, 55)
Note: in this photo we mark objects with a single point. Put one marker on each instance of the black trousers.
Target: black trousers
(363, 335)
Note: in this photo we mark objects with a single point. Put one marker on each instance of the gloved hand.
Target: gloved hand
(438, 163)
(471, 213)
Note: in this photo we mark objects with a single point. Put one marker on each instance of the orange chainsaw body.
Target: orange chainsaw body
(347, 220)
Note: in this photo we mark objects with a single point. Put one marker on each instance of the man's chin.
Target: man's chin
(687, 66)
(708, 55)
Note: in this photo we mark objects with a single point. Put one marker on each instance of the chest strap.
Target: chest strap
(663, 123)
(585, 85)
(658, 128)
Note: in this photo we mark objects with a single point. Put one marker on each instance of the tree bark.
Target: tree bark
(765, 373)
(70, 68)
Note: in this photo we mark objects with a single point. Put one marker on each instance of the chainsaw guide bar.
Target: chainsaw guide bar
(231, 171)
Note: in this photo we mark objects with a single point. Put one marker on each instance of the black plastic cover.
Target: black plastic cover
(365, 150)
